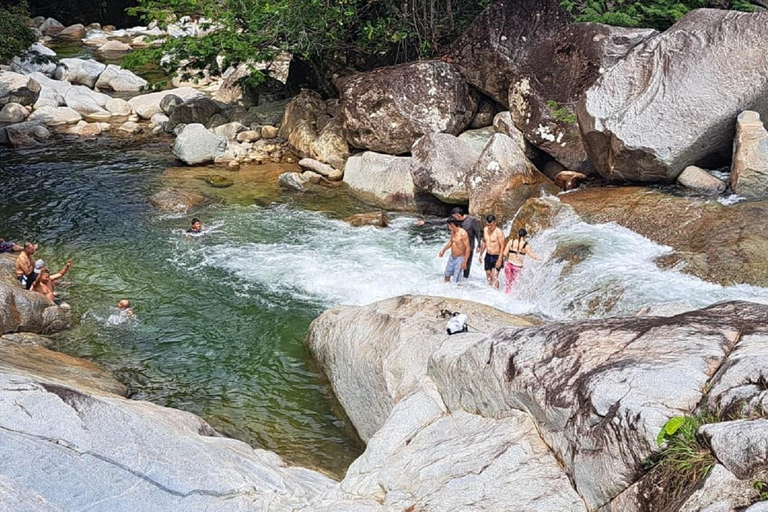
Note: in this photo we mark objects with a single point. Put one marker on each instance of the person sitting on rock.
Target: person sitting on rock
(46, 282)
(196, 228)
(25, 268)
(515, 252)
(9, 246)
(460, 251)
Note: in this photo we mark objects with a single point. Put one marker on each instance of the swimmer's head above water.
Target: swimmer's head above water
(124, 304)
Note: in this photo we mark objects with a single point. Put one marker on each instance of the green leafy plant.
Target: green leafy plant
(761, 486)
(685, 458)
(15, 34)
(561, 113)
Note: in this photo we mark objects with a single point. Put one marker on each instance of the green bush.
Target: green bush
(15, 34)
(658, 14)
(684, 459)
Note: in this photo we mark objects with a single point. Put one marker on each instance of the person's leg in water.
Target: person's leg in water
(510, 272)
(450, 268)
(458, 272)
(491, 272)
(469, 262)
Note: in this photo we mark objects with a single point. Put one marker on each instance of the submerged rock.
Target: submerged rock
(175, 201)
(216, 181)
(294, 181)
(672, 101)
(388, 109)
(749, 170)
(377, 219)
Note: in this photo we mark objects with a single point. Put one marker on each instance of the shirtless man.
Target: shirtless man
(515, 252)
(196, 228)
(46, 282)
(493, 245)
(25, 266)
(460, 251)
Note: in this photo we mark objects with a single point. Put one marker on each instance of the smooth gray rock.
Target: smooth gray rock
(673, 100)
(441, 162)
(18, 88)
(229, 130)
(196, 145)
(30, 62)
(84, 101)
(13, 113)
(131, 127)
(388, 109)
(51, 91)
(170, 102)
(115, 78)
(294, 181)
(382, 180)
(198, 110)
(23, 133)
(147, 105)
(51, 27)
(76, 31)
(749, 169)
(55, 116)
(741, 446)
(698, 180)
(118, 107)
(80, 71)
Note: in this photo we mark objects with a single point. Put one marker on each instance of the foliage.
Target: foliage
(658, 14)
(684, 459)
(337, 33)
(15, 34)
(761, 487)
(561, 113)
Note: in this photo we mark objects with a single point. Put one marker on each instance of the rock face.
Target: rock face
(115, 78)
(698, 180)
(441, 163)
(555, 76)
(175, 201)
(382, 180)
(502, 179)
(81, 71)
(21, 310)
(388, 109)
(17, 88)
(497, 45)
(196, 145)
(749, 170)
(673, 100)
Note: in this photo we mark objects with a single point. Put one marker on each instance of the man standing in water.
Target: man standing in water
(472, 227)
(493, 245)
(515, 252)
(460, 251)
(25, 267)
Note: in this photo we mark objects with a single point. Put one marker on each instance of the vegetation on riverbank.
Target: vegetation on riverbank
(15, 34)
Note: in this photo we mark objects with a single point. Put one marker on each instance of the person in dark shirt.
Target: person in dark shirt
(472, 227)
(197, 227)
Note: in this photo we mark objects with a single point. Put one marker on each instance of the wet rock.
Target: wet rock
(229, 130)
(175, 201)
(324, 170)
(543, 97)
(700, 181)
(51, 27)
(632, 132)
(382, 180)
(388, 109)
(477, 139)
(81, 71)
(195, 111)
(55, 116)
(749, 170)
(131, 127)
(38, 58)
(441, 162)
(330, 146)
(216, 181)
(22, 134)
(26, 311)
(84, 101)
(196, 145)
(376, 219)
(13, 113)
(293, 181)
(147, 105)
(89, 129)
(113, 46)
(17, 88)
(377, 342)
(72, 32)
(502, 179)
(117, 79)
(118, 107)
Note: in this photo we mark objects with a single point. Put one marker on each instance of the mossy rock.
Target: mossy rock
(216, 181)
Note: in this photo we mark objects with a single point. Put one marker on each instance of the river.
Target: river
(221, 318)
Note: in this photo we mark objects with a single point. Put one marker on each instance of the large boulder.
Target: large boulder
(118, 107)
(115, 78)
(72, 32)
(330, 146)
(38, 58)
(382, 180)
(13, 113)
(86, 101)
(749, 169)
(491, 53)
(369, 356)
(51, 91)
(388, 109)
(673, 100)
(55, 116)
(18, 88)
(441, 163)
(26, 311)
(558, 71)
(197, 145)
(80, 71)
(51, 27)
(198, 110)
(299, 124)
(23, 134)
(175, 201)
(503, 179)
(147, 105)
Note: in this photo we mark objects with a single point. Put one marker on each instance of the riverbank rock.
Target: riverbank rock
(441, 162)
(22, 134)
(147, 105)
(376, 341)
(113, 46)
(700, 181)
(118, 107)
(197, 110)
(72, 32)
(388, 109)
(81, 71)
(295, 180)
(376, 219)
(18, 88)
(175, 201)
(51, 27)
(84, 101)
(382, 180)
(633, 132)
(324, 170)
(131, 128)
(330, 146)
(196, 145)
(502, 179)
(299, 122)
(749, 170)
(38, 58)
(230, 130)
(55, 116)
(25, 311)
(13, 113)
(115, 78)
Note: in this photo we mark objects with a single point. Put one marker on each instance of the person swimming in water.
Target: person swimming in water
(196, 228)
(515, 252)
(124, 305)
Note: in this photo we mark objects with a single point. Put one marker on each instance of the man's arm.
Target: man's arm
(447, 246)
(431, 222)
(20, 270)
(60, 273)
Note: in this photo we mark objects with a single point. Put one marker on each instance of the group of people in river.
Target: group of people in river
(491, 242)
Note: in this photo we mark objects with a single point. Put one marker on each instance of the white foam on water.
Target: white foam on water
(310, 257)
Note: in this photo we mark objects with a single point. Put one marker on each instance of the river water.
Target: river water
(221, 318)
